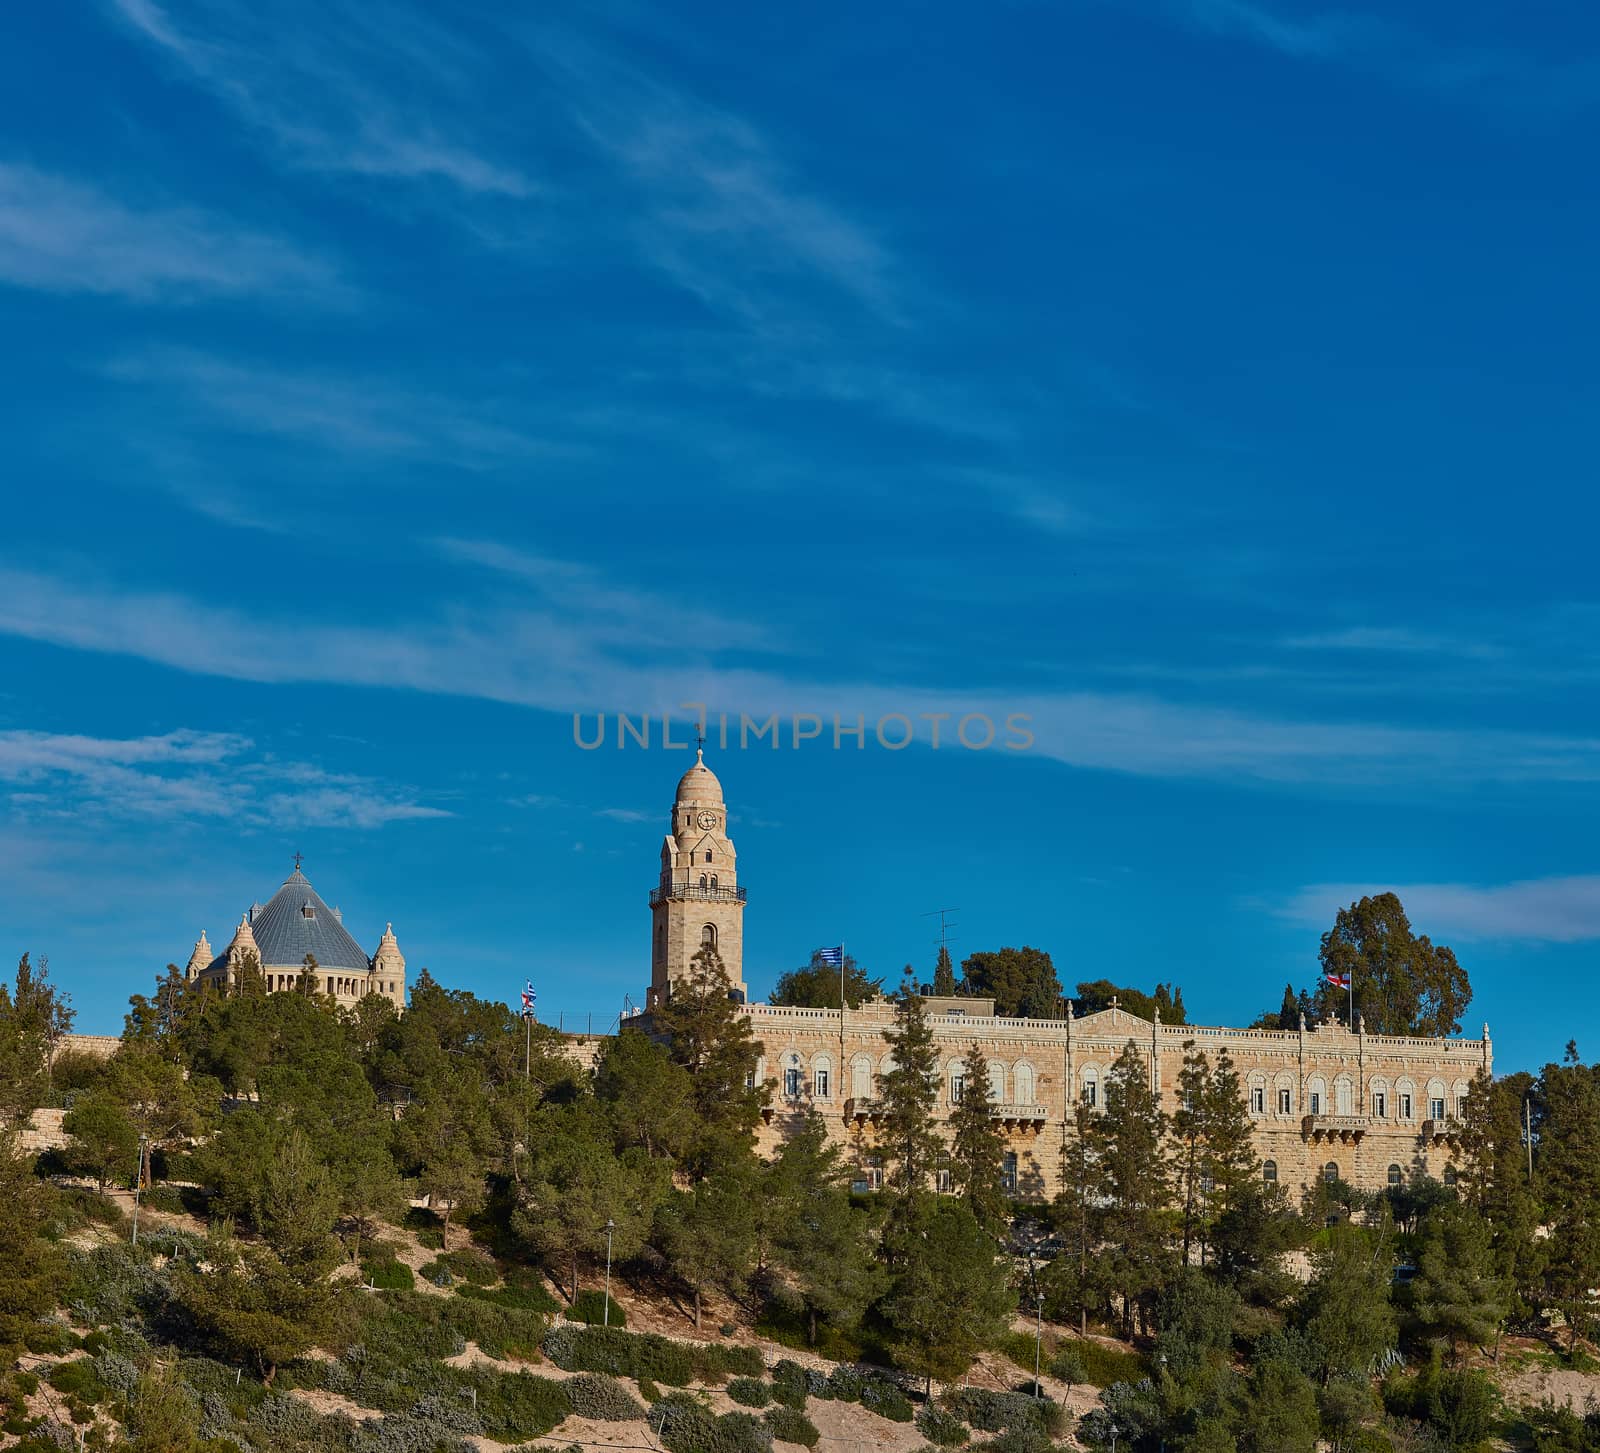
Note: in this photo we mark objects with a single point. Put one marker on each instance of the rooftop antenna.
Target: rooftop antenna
(944, 924)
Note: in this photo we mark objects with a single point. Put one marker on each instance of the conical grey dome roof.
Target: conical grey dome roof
(296, 922)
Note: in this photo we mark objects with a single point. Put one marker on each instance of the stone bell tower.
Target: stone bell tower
(698, 899)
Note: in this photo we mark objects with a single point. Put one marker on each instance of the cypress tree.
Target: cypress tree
(977, 1147)
(1132, 1180)
(944, 974)
(906, 1094)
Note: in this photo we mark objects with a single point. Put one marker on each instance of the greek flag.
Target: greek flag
(832, 957)
(528, 997)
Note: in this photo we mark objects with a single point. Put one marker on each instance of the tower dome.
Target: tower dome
(699, 783)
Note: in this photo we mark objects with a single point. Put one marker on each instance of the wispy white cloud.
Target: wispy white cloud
(629, 814)
(346, 415)
(1554, 910)
(345, 88)
(717, 208)
(554, 661)
(1377, 43)
(188, 774)
(58, 235)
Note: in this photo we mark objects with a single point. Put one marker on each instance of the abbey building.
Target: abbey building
(294, 932)
(1328, 1101)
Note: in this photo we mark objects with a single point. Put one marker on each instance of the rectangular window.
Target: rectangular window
(1284, 1102)
(1090, 1094)
(1008, 1171)
(958, 1083)
(1405, 1106)
(1380, 1104)
(791, 1083)
(1258, 1100)
(1316, 1103)
(822, 1084)
(1436, 1109)
(941, 1182)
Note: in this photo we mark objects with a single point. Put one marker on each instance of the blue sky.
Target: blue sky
(1211, 381)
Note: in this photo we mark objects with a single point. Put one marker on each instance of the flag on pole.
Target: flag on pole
(1339, 981)
(528, 997)
(832, 957)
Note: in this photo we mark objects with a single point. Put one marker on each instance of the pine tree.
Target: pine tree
(1493, 1181)
(1074, 1282)
(944, 974)
(102, 1142)
(951, 1298)
(711, 1039)
(1457, 1295)
(977, 1145)
(1569, 1184)
(1345, 1310)
(1231, 1163)
(1189, 1144)
(1289, 1013)
(1132, 1176)
(33, 1018)
(906, 1093)
(821, 1260)
(35, 1268)
(706, 1234)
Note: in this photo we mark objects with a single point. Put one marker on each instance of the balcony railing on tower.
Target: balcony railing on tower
(694, 893)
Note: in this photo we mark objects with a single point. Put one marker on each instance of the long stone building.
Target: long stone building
(1328, 1101)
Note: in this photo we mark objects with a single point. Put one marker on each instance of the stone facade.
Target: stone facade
(1326, 1101)
(1376, 1108)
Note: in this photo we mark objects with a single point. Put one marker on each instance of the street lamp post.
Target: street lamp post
(138, 1185)
(1038, 1337)
(605, 1316)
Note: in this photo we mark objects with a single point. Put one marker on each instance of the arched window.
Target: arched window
(1316, 1096)
(708, 855)
(1330, 1172)
(708, 936)
(822, 1076)
(1269, 1171)
(1405, 1100)
(1395, 1176)
(861, 1078)
(1450, 1175)
(1022, 1083)
(958, 1081)
(713, 881)
(702, 880)
(1436, 1105)
(997, 1082)
(1342, 1095)
(1091, 1088)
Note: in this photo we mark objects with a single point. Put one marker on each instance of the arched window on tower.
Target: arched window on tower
(708, 936)
(713, 881)
(702, 880)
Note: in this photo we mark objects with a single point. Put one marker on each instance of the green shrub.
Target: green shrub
(472, 1266)
(750, 1391)
(594, 1395)
(940, 1428)
(887, 1401)
(997, 1412)
(49, 1339)
(517, 1404)
(76, 1379)
(792, 1383)
(686, 1426)
(522, 1299)
(620, 1353)
(1098, 1364)
(649, 1391)
(438, 1272)
(591, 1307)
(387, 1274)
(1017, 1440)
(168, 1199)
(790, 1426)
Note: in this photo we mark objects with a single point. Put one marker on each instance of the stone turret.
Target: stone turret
(201, 958)
(243, 946)
(389, 963)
